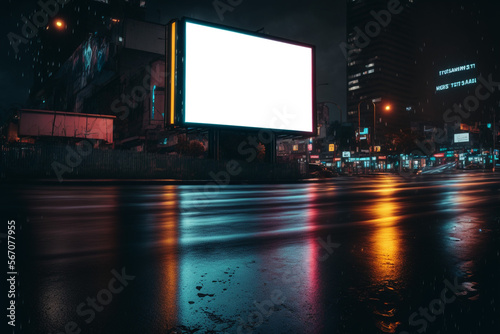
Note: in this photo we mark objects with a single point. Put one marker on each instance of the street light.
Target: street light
(359, 114)
(372, 140)
(60, 24)
(387, 107)
(494, 139)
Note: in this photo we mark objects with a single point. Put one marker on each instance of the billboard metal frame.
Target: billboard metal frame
(176, 108)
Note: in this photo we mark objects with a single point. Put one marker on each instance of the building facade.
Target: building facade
(381, 68)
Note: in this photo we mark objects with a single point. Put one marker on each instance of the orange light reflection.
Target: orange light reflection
(385, 247)
(168, 231)
(385, 255)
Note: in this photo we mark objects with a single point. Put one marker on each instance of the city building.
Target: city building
(67, 27)
(380, 53)
(120, 72)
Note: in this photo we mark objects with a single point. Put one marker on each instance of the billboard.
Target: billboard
(45, 123)
(461, 138)
(241, 79)
(458, 76)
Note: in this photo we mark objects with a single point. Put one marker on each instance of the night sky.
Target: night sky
(449, 32)
(321, 23)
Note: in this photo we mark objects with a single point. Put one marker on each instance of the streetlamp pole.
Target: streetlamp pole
(374, 123)
(494, 138)
(372, 141)
(359, 116)
(373, 134)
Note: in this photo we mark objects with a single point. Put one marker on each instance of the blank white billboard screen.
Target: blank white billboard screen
(236, 79)
(461, 138)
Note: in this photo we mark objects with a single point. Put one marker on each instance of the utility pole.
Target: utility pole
(494, 139)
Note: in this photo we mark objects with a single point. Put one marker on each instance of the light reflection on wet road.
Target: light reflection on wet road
(255, 258)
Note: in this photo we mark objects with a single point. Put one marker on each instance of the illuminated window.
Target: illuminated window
(353, 88)
(370, 65)
(353, 82)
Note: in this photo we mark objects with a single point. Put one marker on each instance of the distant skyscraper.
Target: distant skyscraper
(380, 53)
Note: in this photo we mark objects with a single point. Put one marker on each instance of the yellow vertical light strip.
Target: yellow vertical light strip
(172, 72)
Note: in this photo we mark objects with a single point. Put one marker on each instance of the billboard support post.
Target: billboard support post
(273, 148)
(494, 138)
(214, 144)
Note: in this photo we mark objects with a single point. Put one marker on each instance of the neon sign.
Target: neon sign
(456, 84)
(457, 69)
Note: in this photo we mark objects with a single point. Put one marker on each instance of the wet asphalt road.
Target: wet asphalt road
(351, 255)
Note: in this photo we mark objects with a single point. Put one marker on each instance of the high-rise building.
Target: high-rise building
(381, 67)
(71, 24)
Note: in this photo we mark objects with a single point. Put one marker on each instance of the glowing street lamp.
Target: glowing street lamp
(59, 24)
(387, 107)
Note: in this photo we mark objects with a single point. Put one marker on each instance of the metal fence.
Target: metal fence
(73, 162)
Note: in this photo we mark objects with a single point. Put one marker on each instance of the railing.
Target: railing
(65, 162)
